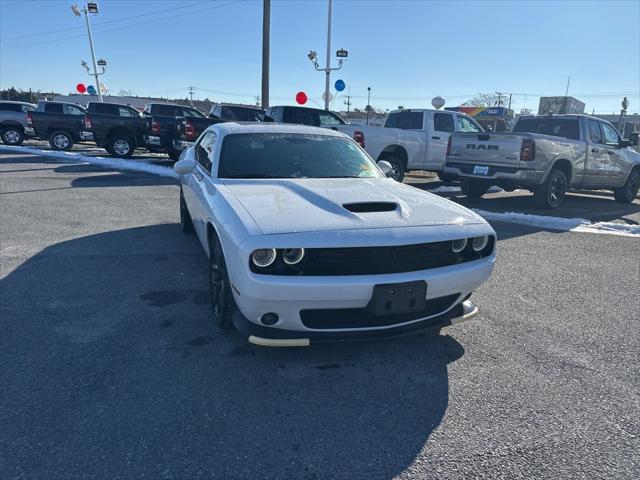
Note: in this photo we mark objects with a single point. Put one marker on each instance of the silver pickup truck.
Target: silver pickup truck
(547, 155)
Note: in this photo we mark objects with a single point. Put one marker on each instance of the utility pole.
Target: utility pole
(347, 102)
(509, 102)
(91, 7)
(266, 27)
(368, 103)
(191, 90)
(566, 97)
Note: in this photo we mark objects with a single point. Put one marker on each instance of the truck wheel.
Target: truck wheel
(397, 167)
(12, 135)
(60, 141)
(473, 188)
(629, 190)
(222, 302)
(186, 224)
(120, 147)
(551, 193)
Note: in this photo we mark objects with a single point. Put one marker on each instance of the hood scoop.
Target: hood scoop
(370, 207)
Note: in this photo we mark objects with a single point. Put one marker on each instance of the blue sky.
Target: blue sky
(406, 51)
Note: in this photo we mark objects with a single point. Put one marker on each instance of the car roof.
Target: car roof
(16, 102)
(227, 128)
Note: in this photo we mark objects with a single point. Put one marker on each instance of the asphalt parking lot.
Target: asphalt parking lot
(111, 368)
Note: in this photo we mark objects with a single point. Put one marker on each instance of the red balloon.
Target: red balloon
(81, 87)
(301, 98)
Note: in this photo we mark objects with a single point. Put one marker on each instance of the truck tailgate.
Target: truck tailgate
(485, 148)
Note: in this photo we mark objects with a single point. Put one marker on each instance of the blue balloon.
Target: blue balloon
(340, 85)
(91, 90)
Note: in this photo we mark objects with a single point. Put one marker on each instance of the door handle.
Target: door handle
(594, 150)
(435, 138)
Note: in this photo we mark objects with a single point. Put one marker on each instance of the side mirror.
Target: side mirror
(634, 139)
(184, 166)
(385, 166)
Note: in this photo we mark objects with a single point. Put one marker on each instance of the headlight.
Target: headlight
(458, 245)
(291, 256)
(263, 257)
(478, 243)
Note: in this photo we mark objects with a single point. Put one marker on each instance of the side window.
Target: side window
(10, 107)
(53, 107)
(595, 134)
(300, 116)
(443, 122)
(166, 111)
(71, 110)
(204, 150)
(466, 125)
(127, 112)
(610, 135)
(105, 108)
(328, 119)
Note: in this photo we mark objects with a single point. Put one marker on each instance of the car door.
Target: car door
(443, 125)
(616, 161)
(596, 166)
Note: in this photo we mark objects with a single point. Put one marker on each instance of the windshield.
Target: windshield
(286, 155)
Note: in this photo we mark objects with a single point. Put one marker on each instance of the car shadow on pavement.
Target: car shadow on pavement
(113, 368)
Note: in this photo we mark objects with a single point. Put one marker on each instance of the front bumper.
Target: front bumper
(153, 140)
(495, 173)
(270, 337)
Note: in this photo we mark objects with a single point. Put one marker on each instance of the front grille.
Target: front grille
(335, 318)
(374, 260)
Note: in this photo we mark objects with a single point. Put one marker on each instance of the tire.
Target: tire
(186, 224)
(120, 146)
(12, 135)
(473, 188)
(222, 302)
(447, 177)
(60, 140)
(397, 167)
(551, 193)
(174, 155)
(627, 193)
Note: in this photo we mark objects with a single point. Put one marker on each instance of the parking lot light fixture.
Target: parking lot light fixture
(91, 7)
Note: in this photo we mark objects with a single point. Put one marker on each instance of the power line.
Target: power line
(124, 26)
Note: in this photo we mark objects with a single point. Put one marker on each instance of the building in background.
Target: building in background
(493, 119)
(560, 105)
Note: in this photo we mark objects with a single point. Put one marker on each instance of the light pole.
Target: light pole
(368, 103)
(341, 54)
(91, 7)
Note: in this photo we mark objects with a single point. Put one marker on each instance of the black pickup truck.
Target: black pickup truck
(315, 117)
(115, 127)
(60, 123)
(162, 121)
(190, 128)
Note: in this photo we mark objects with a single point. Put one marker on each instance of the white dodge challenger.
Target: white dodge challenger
(308, 241)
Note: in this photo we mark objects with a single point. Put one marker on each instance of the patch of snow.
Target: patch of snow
(563, 224)
(115, 163)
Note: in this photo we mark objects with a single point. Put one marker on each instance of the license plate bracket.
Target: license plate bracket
(398, 298)
(480, 170)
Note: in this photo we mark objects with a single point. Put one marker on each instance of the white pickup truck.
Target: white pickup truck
(413, 139)
(547, 155)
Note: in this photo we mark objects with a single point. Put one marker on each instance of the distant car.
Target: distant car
(237, 113)
(13, 122)
(115, 127)
(548, 155)
(308, 241)
(60, 123)
(315, 117)
(162, 126)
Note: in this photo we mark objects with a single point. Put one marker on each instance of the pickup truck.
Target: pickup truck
(13, 122)
(314, 117)
(58, 122)
(162, 126)
(547, 155)
(412, 139)
(190, 128)
(117, 128)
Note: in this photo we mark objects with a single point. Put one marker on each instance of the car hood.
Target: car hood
(316, 204)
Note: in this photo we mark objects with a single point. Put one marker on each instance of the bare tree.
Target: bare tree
(485, 100)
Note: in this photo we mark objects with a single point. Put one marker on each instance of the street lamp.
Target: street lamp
(342, 54)
(91, 7)
(368, 103)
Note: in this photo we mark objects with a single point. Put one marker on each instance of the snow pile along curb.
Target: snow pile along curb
(115, 163)
(564, 224)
